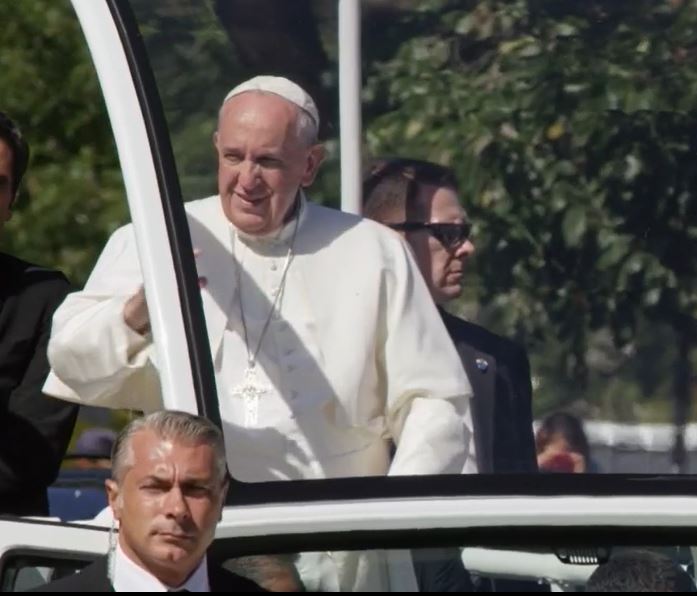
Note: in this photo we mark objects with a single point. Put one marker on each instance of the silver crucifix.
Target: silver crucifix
(250, 390)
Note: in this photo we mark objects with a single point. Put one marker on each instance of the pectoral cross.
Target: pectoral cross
(250, 390)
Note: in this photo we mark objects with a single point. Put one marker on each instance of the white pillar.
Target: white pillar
(350, 103)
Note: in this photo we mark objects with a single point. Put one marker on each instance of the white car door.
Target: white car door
(36, 551)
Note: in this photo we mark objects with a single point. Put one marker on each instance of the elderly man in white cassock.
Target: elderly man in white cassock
(326, 343)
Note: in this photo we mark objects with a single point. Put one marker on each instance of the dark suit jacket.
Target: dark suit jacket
(499, 372)
(94, 578)
(34, 429)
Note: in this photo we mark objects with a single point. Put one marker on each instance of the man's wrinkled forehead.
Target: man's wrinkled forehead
(270, 120)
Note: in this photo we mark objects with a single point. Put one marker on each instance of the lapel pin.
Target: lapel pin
(482, 364)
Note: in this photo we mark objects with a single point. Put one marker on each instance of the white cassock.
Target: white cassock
(354, 355)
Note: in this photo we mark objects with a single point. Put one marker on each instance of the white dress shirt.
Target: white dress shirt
(130, 577)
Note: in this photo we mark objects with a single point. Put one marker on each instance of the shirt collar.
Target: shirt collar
(130, 577)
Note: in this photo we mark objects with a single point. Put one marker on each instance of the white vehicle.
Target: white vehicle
(546, 529)
(548, 540)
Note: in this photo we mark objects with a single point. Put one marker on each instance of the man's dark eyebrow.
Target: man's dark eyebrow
(193, 481)
(197, 481)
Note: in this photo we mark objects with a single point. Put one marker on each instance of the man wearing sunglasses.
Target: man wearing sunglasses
(419, 199)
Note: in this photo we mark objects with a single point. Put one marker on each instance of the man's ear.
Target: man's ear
(315, 157)
(215, 140)
(114, 498)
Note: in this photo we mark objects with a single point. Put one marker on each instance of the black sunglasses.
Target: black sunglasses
(450, 235)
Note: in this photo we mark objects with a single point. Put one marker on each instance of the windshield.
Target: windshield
(568, 132)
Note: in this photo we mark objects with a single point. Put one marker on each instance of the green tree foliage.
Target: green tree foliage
(73, 197)
(573, 130)
(186, 38)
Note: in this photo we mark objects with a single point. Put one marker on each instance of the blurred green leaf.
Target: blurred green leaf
(574, 225)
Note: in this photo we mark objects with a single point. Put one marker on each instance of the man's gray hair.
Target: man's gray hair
(172, 425)
(306, 128)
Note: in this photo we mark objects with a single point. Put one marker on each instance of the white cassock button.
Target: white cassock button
(273, 266)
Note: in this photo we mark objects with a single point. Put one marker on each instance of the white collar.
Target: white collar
(130, 577)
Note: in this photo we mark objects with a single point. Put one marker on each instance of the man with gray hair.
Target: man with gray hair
(317, 320)
(167, 491)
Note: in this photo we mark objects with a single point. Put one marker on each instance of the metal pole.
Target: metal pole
(682, 402)
(350, 103)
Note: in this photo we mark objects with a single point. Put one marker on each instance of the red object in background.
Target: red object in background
(560, 462)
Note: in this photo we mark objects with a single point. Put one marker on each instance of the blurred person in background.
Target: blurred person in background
(640, 571)
(78, 493)
(93, 448)
(562, 445)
